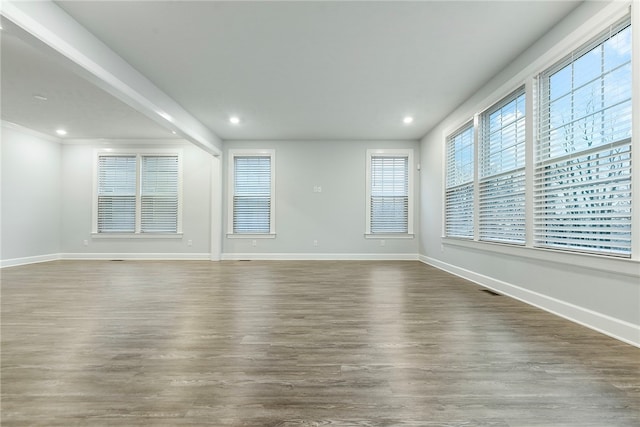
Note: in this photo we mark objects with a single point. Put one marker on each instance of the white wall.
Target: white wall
(77, 200)
(603, 294)
(335, 217)
(30, 191)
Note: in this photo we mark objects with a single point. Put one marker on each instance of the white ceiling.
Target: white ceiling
(289, 70)
(30, 69)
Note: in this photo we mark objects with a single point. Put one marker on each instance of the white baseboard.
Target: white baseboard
(317, 257)
(138, 256)
(615, 328)
(14, 262)
(207, 257)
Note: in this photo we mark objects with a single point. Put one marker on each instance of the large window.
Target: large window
(251, 196)
(501, 171)
(459, 184)
(583, 154)
(389, 189)
(137, 193)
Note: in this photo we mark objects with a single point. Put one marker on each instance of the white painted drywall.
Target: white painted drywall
(335, 217)
(31, 189)
(606, 294)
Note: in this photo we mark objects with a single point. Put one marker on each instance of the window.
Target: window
(116, 194)
(459, 184)
(138, 193)
(251, 205)
(501, 170)
(583, 152)
(389, 189)
(159, 194)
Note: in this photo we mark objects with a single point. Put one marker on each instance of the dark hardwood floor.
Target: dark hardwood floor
(129, 343)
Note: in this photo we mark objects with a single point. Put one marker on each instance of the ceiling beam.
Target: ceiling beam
(94, 60)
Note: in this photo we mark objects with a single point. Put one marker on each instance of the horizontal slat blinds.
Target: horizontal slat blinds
(389, 194)
(583, 156)
(502, 175)
(116, 194)
(252, 194)
(459, 184)
(159, 194)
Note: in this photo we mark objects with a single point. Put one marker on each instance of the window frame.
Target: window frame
(546, 160)
(517, 172)
(407, 153)
(139, 154)
(231, 155)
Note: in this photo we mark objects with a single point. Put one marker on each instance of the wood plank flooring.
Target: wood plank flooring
(134, 343)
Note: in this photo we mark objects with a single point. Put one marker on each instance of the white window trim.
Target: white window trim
(230, 185)
(400, 152)
(609, 15)
(138, 153)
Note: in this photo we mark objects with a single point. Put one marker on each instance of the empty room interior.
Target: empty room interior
(307, 213)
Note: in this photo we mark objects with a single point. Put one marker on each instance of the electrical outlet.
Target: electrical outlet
(382, 243)
(189, 242)
(85, 243)
(254, 243)
(315, 243)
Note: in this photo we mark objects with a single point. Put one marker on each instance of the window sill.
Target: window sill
(388, 236)
(617, 265)
(251, 236)
(136, 235)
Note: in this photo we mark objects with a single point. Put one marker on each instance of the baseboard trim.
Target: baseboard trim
(207, 257)
(615, 328)
(138, 256)
(317, 257)
(14, 262)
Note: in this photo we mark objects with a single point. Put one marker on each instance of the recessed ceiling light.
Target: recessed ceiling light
(234, 120)
(61, 132)
(174, 132)
(407, 120)
(40, 97)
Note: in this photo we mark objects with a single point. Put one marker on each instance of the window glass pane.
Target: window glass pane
(159, 194)
(583, 161)
(502, 178)
(116, 194)
(252, 194)
(389, 194)
(460, 157)
(459, 183)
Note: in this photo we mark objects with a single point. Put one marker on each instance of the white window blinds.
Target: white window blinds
(459, 184)
(159, 194)
(502, 174)
(116, 194)
(252, 194)
(389, 202)
(583, 154)
(138, 193)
